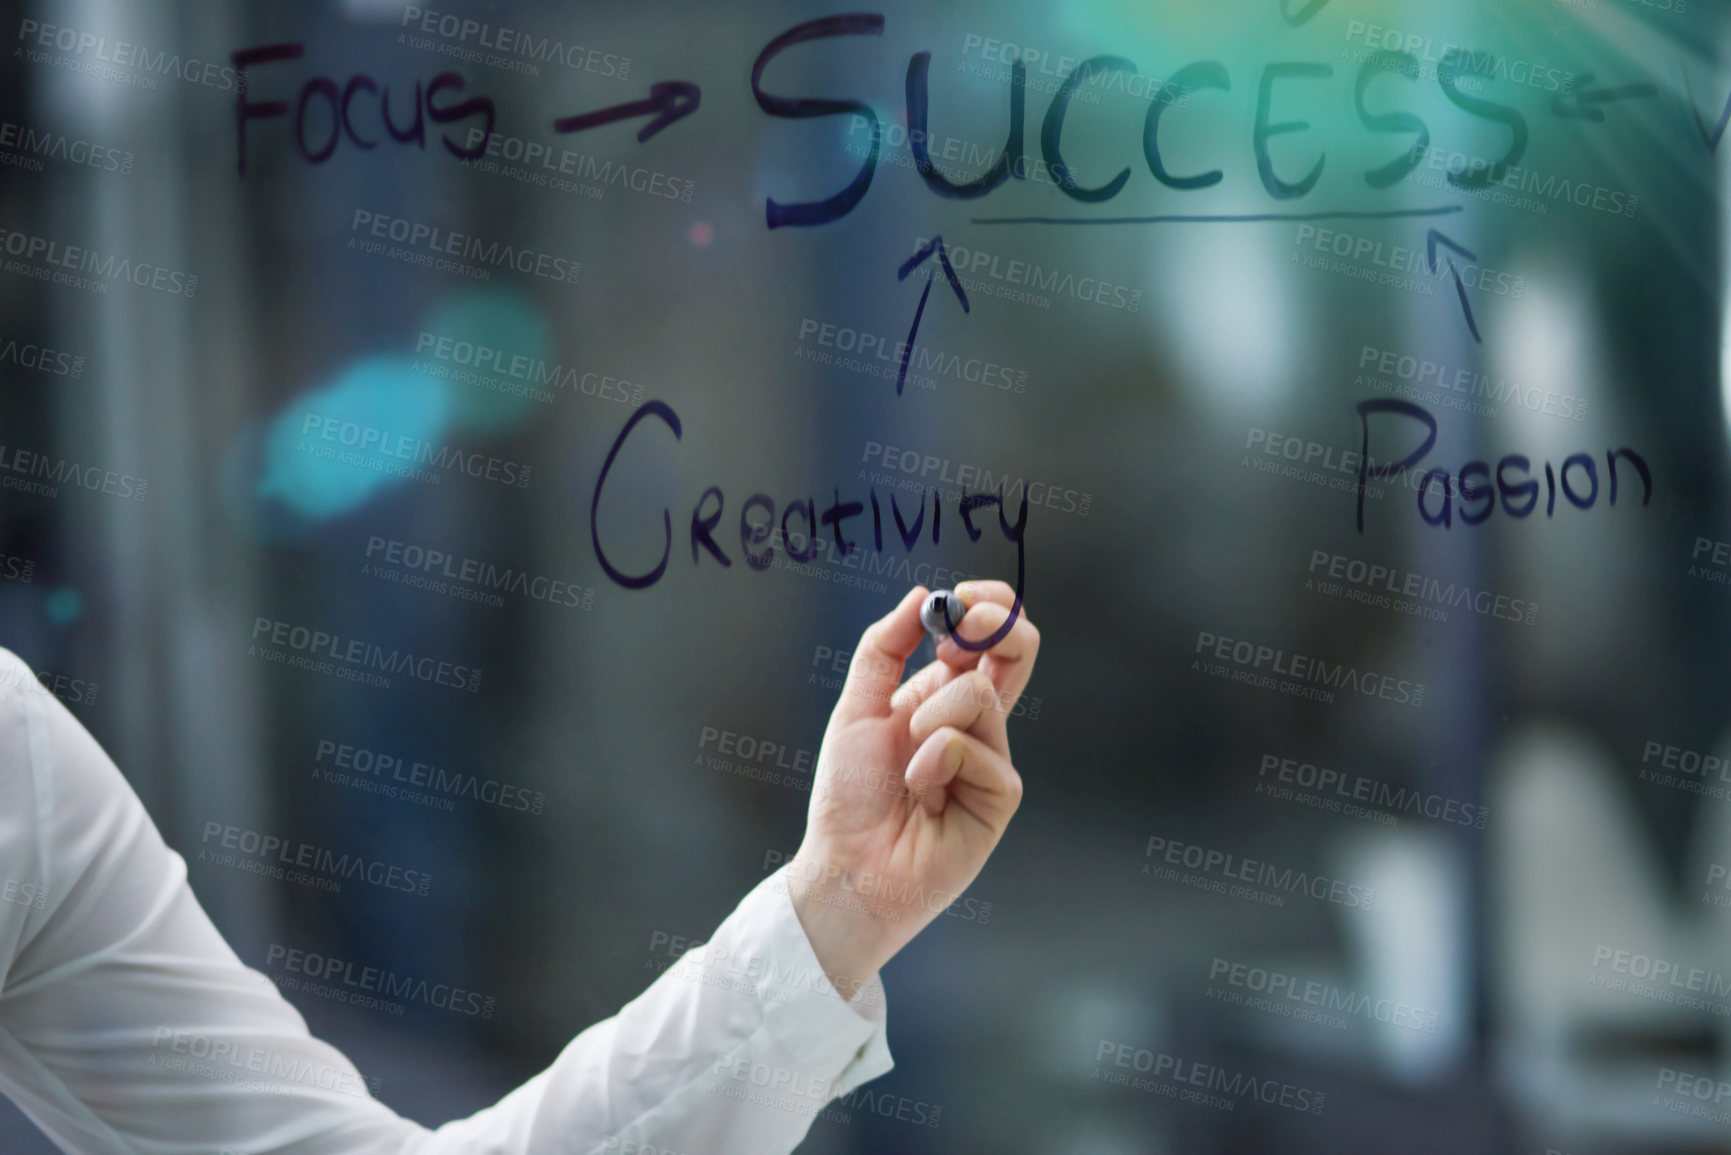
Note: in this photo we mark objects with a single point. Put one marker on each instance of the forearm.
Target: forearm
(127, 1023)
(735, 1048)
(847, 935)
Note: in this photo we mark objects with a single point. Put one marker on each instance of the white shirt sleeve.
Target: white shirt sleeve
(128, 1025)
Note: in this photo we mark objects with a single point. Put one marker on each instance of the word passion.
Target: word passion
(754, 534)
(1473, 484)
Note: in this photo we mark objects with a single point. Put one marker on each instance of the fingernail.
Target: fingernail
(953, 752)
(965, 591)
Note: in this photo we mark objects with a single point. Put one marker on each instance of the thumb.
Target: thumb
(878, 660)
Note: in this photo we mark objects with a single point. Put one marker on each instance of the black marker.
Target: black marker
(941, 613)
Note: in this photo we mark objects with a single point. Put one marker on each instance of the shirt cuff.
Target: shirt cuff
(841, 1032)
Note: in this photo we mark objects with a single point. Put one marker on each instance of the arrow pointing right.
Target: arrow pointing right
(670, 100)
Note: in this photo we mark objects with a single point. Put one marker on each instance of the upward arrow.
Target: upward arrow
(1709, 137)
(935, 245)
(1430, 244)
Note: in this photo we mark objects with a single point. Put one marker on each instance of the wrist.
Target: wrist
(851, 943)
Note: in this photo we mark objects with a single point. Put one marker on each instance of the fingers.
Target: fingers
(955, 768)
(1010, 663)
(957, 704)
(929, 679)
(937, 680)
(988, 590)
(874, 687)
(877, 663)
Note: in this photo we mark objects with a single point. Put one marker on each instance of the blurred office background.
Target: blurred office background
(1145, 382)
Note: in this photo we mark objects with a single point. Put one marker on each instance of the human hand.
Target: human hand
(914, 784)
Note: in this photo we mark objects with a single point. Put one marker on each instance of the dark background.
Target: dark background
(1145, 422)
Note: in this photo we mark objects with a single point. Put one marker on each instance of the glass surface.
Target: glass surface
(1362, 366)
